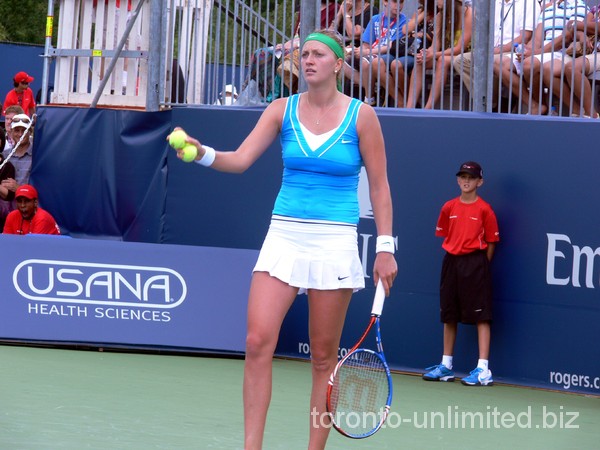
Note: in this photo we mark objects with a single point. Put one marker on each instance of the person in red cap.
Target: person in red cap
(469, 227)
(29, 218)
(21, 94)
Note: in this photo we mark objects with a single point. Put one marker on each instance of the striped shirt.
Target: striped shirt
(556, 16)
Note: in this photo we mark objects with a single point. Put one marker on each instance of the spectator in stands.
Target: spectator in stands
(351, 20)
(29, 218)
(22, 127)
(455, 20)
(543, 56)
(577, 71)
(420, 26)
(7, 187)
(21, 94)
(514, 23)
(11, 111)
(382, 31)
(228, 96)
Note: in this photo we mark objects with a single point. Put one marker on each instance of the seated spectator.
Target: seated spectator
(351, 20)
(455, 20)
(29, 218)
(228, 96)
(578, 70)
(10, 112)
(543, 56)
(21, 94)
(514, 23)
(382, 31)
(421, 27)
(22, 129)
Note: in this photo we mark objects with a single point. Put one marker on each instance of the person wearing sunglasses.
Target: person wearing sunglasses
(21, 94)
(22, 128)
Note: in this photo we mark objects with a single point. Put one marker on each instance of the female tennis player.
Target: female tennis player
(311, 245)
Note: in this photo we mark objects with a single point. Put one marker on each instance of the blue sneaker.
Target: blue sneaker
(478, 377)
(439, 373)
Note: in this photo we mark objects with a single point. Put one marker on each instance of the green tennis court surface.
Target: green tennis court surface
(66, 399)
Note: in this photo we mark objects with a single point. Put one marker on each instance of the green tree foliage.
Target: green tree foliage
(23, 21)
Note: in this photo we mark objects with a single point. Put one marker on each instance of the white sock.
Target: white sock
(483, 364)
(447, 361)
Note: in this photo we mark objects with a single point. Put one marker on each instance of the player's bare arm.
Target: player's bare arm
(372, 149)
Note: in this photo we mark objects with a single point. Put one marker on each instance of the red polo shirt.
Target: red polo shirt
(467, 227)
(41, 223)
(26, 100)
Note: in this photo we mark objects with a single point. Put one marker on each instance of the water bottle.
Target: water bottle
(415, 46)
(519, 49)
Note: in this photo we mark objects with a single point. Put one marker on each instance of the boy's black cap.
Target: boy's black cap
(472, 168)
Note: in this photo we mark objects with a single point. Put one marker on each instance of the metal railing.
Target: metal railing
(232, 52)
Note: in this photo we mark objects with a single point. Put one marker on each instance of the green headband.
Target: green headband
(328, 41)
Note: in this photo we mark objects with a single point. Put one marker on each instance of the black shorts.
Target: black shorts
(466, 288)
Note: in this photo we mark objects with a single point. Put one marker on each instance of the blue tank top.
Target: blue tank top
(320, 184)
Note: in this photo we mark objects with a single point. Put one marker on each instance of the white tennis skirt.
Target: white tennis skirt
(312, 254)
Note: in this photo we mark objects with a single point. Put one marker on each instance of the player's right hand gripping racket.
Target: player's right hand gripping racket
(360, 389)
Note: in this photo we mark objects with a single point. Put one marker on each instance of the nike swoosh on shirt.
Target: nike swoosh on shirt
(342, 278)
(344, 141)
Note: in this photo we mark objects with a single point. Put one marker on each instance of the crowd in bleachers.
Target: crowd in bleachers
(543, 55)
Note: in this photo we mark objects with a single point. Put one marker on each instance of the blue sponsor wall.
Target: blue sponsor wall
(123, 293)
(110, 174)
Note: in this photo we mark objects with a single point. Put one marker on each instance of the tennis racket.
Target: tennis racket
(360, 388)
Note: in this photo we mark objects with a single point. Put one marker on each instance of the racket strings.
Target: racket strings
(360, 393)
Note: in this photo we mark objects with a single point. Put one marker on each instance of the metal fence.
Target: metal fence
(430, 62)
(507, 56)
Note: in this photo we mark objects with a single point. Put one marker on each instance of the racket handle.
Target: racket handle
(378, 300)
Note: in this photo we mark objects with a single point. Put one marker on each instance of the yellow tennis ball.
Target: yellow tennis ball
(177, 139)
(189, 153)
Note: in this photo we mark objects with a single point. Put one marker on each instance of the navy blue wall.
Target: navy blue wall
(111, 173)
(21, 57)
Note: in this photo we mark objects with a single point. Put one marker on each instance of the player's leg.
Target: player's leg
(268, 303)
(327, 313)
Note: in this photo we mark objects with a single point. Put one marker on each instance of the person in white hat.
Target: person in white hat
(228, 96)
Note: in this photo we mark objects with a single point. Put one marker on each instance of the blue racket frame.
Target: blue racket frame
(375, 321)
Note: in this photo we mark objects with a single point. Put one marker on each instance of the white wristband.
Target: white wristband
(385, 244)
(209, 156)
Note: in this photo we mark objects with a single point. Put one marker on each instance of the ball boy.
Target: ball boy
(470, 231)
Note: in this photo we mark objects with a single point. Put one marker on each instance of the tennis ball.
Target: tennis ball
(177, 139)
(189, 153)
